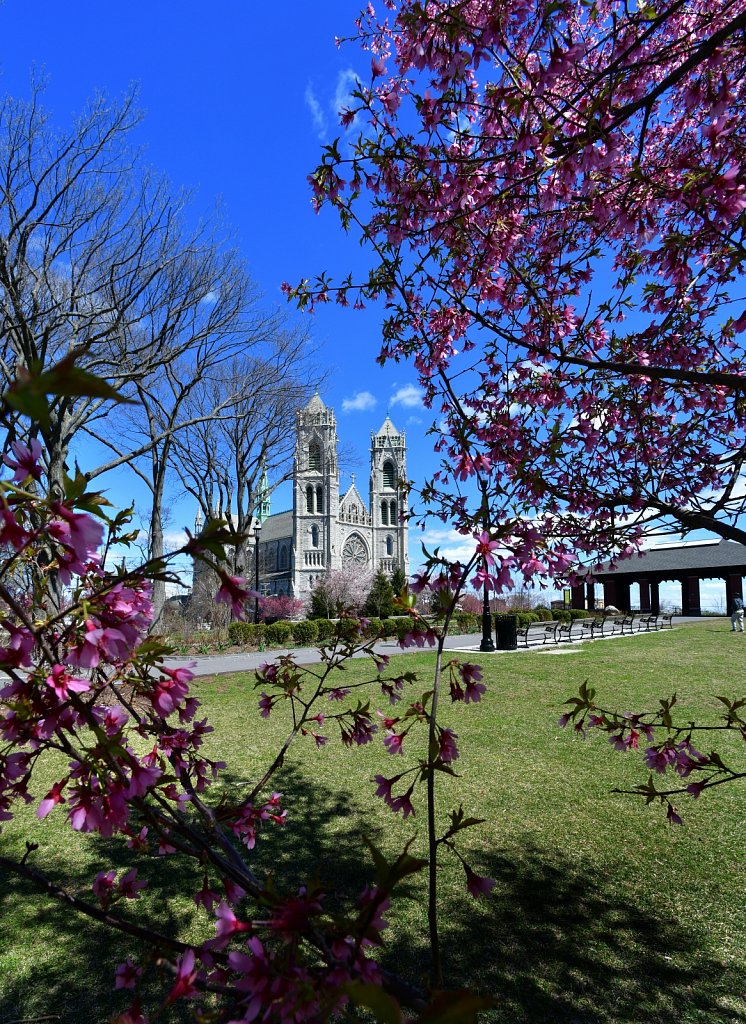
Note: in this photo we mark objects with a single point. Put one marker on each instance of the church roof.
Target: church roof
(277, 527)
(352, 495)
(388, 429)
(315, 405)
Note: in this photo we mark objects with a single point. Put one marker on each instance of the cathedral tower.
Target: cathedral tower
(315, 495)
(388, 471)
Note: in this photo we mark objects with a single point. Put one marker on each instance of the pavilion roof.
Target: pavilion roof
(692, 556)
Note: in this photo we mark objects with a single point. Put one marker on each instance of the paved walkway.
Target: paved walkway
(219, 664)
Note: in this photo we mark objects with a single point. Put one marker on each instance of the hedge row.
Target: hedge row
(544, 615)
(308, 632)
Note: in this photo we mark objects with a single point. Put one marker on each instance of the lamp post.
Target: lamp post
(257, 531)
(487, 643)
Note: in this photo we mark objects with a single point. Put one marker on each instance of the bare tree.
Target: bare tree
(96, 261)
(220, 459)
(168, 402)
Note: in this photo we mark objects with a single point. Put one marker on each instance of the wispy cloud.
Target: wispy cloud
(410, 396)
(361, 401)
(346, 82)
(317, 114)
(413, 420)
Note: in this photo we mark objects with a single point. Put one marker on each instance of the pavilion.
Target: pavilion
(685, 563)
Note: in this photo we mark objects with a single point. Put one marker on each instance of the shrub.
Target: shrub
(560, 615)
(524, 619)
(278, 633)
(325, 629)
(241, 632)
(467, 622)
(579, 613)
(542, 613)
(375, 627)
(306, 631)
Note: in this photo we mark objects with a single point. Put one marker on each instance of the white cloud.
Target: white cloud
(413, 419)
(361, 401)
(451, 544)
(410, 396)
(317, 114)
(209, 298)
(347, 81)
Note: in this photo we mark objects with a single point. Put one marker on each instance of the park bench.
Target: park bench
(586, 627)
(564, 630)
(647, 622)
(533, 631)
(601, 626)
(666, 620)
(626, 622)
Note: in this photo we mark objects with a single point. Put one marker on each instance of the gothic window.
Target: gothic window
(354, 553)
(314, 536)
(389, 475)
(283, 558)
(319, 500)
(314, 457)
(389, 546)
(392, 513)
(269, 559)
(384, 513)
(309, 498)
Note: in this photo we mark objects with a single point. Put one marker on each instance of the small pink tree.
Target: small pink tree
(84, 680)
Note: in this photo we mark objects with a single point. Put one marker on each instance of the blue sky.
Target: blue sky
(238, 100)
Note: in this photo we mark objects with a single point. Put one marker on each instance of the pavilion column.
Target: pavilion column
(590, 599)
(655, 600)
(577, 597)
(644, 595)
(690, 596)
(733, 589)
(610, 596)
(622, 593)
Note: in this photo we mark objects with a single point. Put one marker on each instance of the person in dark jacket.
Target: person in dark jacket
(736, 619)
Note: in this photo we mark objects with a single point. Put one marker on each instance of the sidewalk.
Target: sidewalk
(220, 664)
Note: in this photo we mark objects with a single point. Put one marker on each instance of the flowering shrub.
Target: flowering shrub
(84, 679)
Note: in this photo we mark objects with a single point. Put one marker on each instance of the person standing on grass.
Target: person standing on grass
(736, 619)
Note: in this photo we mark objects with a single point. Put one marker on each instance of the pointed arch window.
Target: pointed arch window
(389, 546)
(314, 536)
(392, 513)
(309, 498)
(319, 499)
(385, 513)
(314, 457)
(389, 475)
(283, 557)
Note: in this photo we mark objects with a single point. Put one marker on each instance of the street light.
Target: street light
(257, 531)
(486, 644)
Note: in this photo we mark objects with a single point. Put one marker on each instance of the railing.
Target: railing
(314, 558)
(389, 564)
(355, 518)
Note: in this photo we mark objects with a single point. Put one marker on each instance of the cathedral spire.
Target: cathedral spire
(262, 497)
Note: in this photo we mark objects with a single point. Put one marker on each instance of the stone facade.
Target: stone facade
(323, 530)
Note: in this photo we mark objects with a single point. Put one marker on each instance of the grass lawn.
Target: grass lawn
(602, 911)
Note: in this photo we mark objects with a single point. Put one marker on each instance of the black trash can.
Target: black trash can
(505, 632)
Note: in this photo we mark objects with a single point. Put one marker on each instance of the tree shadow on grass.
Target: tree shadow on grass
(64, 961)
(552, 944)
(74, 986)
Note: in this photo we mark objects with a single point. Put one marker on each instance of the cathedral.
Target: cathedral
(324, 530)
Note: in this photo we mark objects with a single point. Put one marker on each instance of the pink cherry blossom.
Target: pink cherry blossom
(26, 462)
